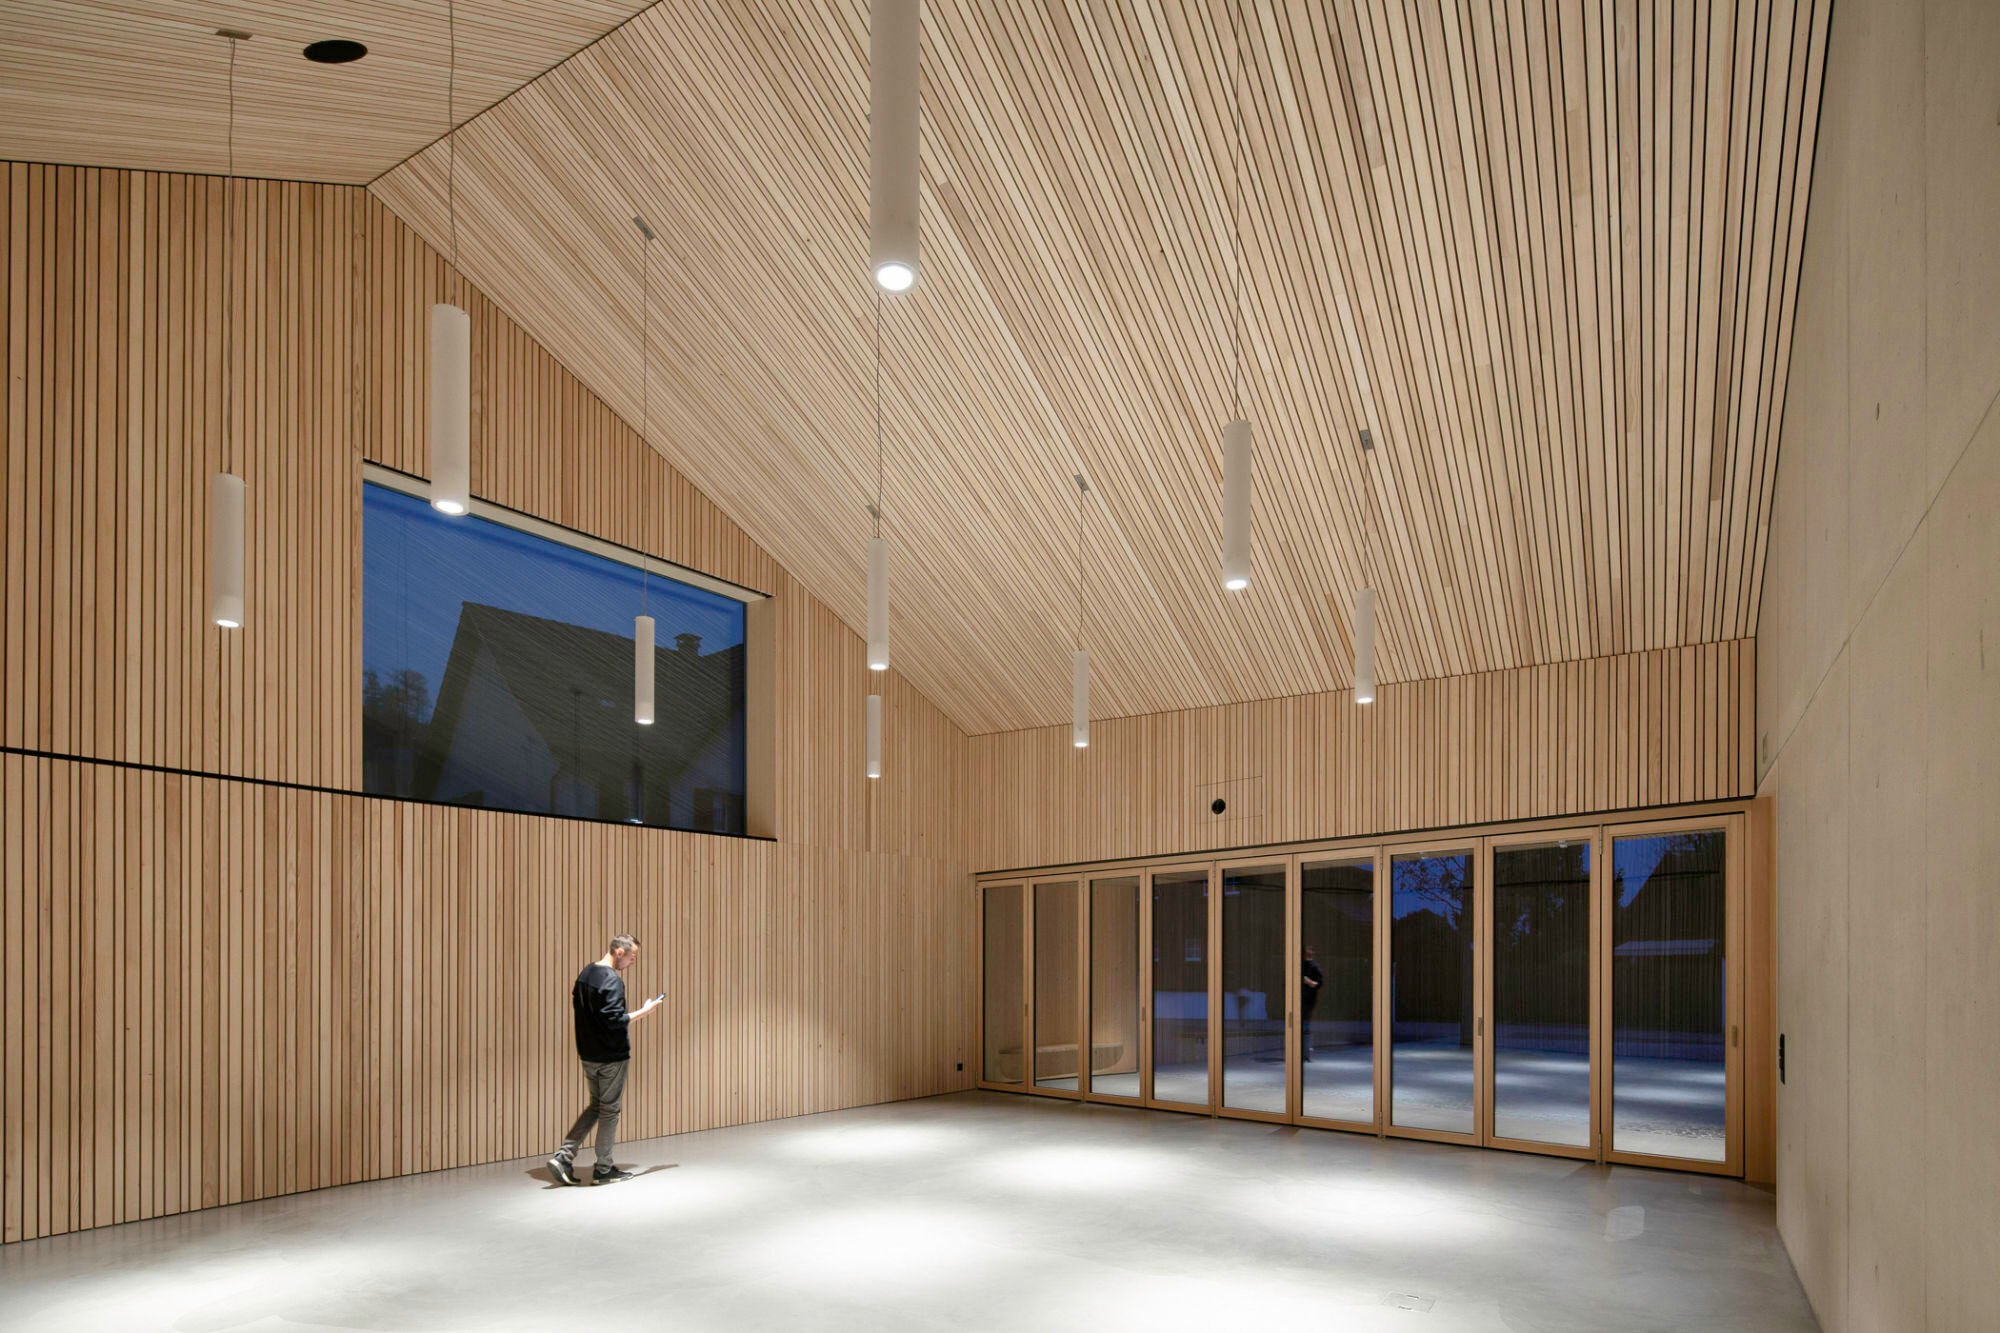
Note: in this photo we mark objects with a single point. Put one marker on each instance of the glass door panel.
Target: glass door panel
(1540, 965)
(1669, 1001)
(1001, 999)
(1337, 990)
(1180, 987)
(1116, 949)
(1254, 980)
(1432, 1039)
(1057, 1001)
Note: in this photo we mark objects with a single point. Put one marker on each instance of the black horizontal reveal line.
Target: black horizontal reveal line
(171, 771)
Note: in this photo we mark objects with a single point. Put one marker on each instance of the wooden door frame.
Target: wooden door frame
(1371, 855)
(1031, 966)
(1734, 829)
(1472, 848)
(980, 1080)
(1143, 1037)
(1591, 835)
(1189, 867)
(1223, 866)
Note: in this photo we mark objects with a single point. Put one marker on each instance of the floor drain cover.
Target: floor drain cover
(1403, 1300)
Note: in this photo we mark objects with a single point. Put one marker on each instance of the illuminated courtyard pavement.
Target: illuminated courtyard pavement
(974, 1211)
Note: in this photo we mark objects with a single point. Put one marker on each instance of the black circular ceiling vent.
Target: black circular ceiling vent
(335, 51)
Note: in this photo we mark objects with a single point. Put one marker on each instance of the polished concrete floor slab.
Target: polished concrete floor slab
(974, 1211)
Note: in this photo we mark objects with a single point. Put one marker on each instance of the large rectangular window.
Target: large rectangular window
(498, 671)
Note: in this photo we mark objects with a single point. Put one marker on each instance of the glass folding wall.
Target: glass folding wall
(1559, 990)
(1057, 1001)
(1001, 1000)
(1117, 949)
(1670, 1027)
(1180, 986)
(1336, 1000)
(1433, 1040)
(1539, 962)
(1255, 979)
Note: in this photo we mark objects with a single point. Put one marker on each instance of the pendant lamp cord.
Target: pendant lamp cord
(1082, 493)
(228, 257)
(1236, 221)
(646, 381)
(876, 509)
(451, 127)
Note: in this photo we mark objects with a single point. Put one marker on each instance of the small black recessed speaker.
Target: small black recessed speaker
(1217, 806)
(335, 51)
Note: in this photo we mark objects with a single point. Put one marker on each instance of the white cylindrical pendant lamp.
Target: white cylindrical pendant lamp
(874, 735)
(225, 550)
(878, 604)
(1364, 646)
(642, 670)
(451, 409)
(894, 46)
(1079, 699)
(1236, 464)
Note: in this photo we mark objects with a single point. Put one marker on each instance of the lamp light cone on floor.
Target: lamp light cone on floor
(874, 735)
(642, 670)
(1236, 471)
(894, 60)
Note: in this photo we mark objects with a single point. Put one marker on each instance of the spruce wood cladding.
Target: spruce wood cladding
(140, 83)
(1547, 254)
(1666, 727)
(217, 990)
(833, 966)
(198, 967)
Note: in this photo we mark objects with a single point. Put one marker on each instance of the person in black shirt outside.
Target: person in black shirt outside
(1309, 984)
(602, 1043)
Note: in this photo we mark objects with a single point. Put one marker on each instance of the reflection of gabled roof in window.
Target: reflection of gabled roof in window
(574, 686)
(1663, 948)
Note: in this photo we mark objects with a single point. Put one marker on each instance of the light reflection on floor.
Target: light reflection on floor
(980, 1210)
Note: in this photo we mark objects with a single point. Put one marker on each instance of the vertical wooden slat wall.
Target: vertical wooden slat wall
(219, 989)
(1655, 728)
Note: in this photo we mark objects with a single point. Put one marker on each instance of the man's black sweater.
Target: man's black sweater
(598, 997)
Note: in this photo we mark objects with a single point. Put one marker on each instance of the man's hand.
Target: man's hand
(646, 1008)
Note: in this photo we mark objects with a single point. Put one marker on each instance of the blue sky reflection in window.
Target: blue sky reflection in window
(497, 672)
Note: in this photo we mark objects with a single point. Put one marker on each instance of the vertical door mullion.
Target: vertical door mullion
(1214, 947)
(1145, 987)
(1293, 969)
(1597, 1035)
(1482, 990)
(1028, 986)
(1383, 1008)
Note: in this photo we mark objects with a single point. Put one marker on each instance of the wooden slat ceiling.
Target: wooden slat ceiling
(144, 83)
(1545, 253)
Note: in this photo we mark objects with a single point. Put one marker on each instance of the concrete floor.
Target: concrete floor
(974, 1211)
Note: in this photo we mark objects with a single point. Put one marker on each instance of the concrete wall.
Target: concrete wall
(1878, 683)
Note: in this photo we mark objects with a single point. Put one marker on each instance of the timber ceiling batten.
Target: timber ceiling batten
(1546, 256)
(123, 82)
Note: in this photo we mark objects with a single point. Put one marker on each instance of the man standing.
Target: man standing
(598, 999)
(1310, 978)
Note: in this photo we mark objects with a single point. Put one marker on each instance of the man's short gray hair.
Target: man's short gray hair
(623, 942)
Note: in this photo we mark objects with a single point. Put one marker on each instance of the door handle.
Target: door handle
(1735, 1036)
(1479, 1026)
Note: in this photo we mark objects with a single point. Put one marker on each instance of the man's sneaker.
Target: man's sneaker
(605, 1175)
(559, 1167)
